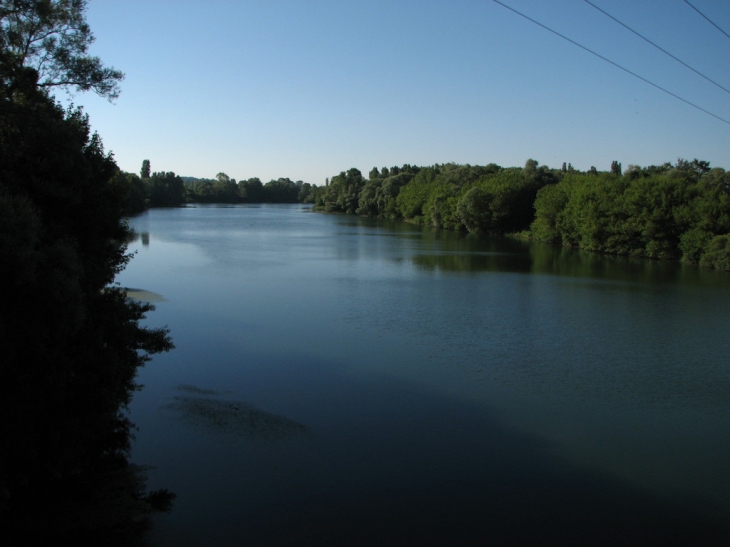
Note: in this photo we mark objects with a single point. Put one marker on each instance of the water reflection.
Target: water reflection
(504, 254)
(475, 262)
(454, 388)
(449, 251)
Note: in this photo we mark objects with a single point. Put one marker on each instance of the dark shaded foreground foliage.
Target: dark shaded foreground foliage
(676, 212)
(71, 342)
(105, 506)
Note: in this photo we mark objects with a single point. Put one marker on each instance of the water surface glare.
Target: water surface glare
(347, 381)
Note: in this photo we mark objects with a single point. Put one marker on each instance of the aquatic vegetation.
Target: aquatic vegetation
(208, 414)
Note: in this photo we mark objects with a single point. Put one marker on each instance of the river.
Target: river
(348, 381)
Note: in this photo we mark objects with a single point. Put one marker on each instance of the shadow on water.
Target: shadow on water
(392, 463)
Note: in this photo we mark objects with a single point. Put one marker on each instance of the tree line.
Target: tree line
(166, 189)
(675, 211)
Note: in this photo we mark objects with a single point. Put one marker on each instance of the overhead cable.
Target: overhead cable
(658, 47)
(613, 63)
(708, 19)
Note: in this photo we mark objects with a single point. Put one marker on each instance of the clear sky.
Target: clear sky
(305, 89)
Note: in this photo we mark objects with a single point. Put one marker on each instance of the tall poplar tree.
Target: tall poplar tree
(145, 171)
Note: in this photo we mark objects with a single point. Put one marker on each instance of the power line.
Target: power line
(658, 47)
(708, 19)
(613, 63)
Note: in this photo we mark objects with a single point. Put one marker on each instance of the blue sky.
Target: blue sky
(306, 89)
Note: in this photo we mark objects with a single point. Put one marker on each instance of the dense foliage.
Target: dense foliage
(224, 189)
(169, 190)
(679, 211)
(472, 197)
(72, 342)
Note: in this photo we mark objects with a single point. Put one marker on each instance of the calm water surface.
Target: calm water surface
(345, 381)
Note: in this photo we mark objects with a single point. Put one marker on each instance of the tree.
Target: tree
(717, 254)
(282, 190)
(72, 342)
(225, 189)
(251, 190)
(343, 192)
(474, 211)
(165, 189)
(52, 38)
(530, 169)
(145, 171)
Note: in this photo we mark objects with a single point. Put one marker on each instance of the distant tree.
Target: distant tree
(165, 190)
(694, 169)
(225, 189)
(145, 171)
(343, 192)
(251, 190)
(201, 191)
(281, 190)
(307, 192)
(474, 211)
(530, 169)
(615, 167)
(367, 201)
(136, 194)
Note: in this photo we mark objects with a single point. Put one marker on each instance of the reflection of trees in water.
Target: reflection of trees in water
(144, 237)
(206, 413)
(496, 254)
(474, 262)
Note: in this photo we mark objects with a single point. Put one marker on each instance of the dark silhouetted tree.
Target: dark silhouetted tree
(72, 342)
(53, 38)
